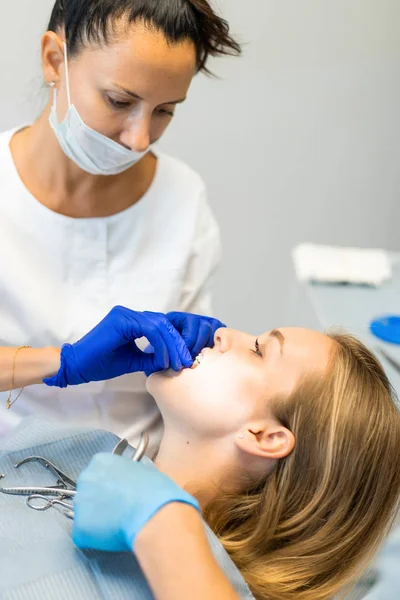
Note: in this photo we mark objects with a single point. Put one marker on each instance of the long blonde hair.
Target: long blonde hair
(308, 529)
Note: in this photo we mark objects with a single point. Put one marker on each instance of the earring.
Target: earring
(52, 84)
(241, 436)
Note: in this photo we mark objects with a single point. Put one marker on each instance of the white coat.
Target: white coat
(59, 276)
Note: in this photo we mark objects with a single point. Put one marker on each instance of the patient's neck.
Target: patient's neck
(200, 466)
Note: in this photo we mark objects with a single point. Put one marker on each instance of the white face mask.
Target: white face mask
(90, 150)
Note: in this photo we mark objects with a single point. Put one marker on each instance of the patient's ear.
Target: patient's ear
(268, 439)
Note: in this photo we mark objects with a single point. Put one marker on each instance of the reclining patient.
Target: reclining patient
(289, 442)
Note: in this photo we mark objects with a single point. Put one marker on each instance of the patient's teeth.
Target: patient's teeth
(197, 360)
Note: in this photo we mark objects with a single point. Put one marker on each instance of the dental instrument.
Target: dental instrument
(63, 478)
(33, 489)
(120, 447)
(140, 450)
(65, 486)
(46, 503)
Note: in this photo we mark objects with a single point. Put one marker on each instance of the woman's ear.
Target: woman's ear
(267, 439)
(52, 56)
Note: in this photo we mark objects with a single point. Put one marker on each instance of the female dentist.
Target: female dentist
(90, 216)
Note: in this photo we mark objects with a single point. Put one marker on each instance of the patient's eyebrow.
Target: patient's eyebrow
(279, 336)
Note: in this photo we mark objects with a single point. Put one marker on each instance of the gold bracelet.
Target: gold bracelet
(9, 401)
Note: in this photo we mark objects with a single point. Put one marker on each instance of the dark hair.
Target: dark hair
(86, 21)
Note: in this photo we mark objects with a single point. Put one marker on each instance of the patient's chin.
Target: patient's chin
(153, 381)
(157, 381)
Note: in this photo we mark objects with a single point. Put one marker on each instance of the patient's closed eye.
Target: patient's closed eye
(257, 350)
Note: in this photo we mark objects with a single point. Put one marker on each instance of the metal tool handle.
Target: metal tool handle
(142, 447)
(65, 479)
(140, 450)
(120, 447)
(46, 503)
(41, 503)
(32, 489)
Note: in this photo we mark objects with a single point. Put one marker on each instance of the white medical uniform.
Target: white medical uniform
(59, 276)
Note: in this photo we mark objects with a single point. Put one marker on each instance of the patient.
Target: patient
(290, 442)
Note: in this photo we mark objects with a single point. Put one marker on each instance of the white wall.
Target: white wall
(298, 141)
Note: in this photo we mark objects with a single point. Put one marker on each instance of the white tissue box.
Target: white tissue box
(313, 262)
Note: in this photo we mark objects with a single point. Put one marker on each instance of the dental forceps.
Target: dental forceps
(65, 486)
(63, 480)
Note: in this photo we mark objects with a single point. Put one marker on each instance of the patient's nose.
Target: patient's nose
(223, 339)
(230, 339)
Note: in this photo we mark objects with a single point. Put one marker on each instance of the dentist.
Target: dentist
(91, 216)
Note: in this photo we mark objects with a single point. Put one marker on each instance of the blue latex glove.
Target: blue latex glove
(109, 350)
(197, 331)
(116, 498)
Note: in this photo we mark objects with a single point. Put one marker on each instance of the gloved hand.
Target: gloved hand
(116, 498)
(109, 350)
(197, 331)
